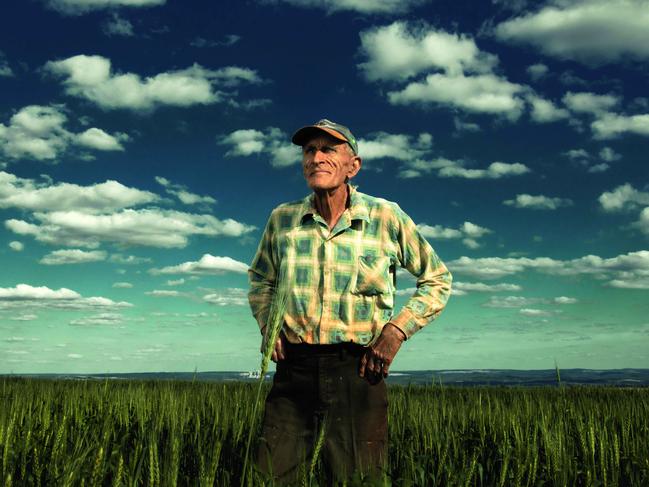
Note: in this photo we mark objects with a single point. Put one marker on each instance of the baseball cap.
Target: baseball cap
(334, 129)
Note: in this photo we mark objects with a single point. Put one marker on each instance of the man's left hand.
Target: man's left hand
(379, 357)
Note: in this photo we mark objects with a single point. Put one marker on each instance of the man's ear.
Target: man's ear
(357, 162)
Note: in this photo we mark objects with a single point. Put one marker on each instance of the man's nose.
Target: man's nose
(319, 156)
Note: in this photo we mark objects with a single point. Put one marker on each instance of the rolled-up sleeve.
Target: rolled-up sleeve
(433, 278)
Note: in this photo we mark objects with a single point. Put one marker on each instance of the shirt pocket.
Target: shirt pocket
(372, 275)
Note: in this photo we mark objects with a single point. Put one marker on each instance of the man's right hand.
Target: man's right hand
(279, 351)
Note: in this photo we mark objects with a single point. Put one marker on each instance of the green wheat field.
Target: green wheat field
(166, 433)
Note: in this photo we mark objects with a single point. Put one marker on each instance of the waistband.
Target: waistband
(306, 349)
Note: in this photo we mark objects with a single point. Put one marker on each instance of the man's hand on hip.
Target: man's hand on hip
(379, 357)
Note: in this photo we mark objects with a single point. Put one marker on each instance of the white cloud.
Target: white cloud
(99, 319)
(643, 222)
(485, 93)
(5, 69)
(589, 31)
(122, 285)
(228, 297)
(24, 317)
(208, 264)
(16, 246)
(163, 293)
(609, 155)
(462, 126)
(592, 103)
(468, 232)
(577, 154)
(510, 302)
(401, 51)
(565, 300)
(537, 71)
(611, 125)
(534, 312)
(538, 202)
(25, 295)
(273, 142)
(147, 227)
(128, 259)
(495, 170)
(463, 288)
(38, 132)
(90, 77)
(229, 40)
(175, 282)
(78, 7)
(118, 26)
(597, 168)
(629, 270)
(97, 139)
(401, 147)
(544, 111)
(74, 355)
(73, 256)
(181, 192)
(624, 197)
(360, 6)
(457, 73)
(27, 194)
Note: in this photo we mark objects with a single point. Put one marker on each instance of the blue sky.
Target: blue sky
(143, 144)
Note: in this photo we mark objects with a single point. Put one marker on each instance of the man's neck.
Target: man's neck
(331, 204)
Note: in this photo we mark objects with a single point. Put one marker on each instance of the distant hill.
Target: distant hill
(496, 377)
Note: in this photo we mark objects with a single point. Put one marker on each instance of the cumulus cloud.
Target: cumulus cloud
(401, 147)
(537, 71)
(588, 31)
(181, 192)
(565, 300)
(78, 7)
(538, 202)
(456, 72)
(228, 40)
(99, 320)
(486, 93)
(122, 285)
(163, 293)
(29, 194)
(495, 170)
(510, 302)
(384, 7)
(147, 227)
(463, 288)
(73, 256)
(468, 232)
(5, 69)
(591, 103)
(629, 270)
(25, 295)
(91, 77)
(16, 246)
(228, 297)
(208, 264)
(577, 154)
(128, 259)
(544, 111)
(624, 197)
(611, 125)
(118, 26)
(643, 223)
(401, 51)
(609, 155)
(272, 142)
(38, 132)
(534, 312)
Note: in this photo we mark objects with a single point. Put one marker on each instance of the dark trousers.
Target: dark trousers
(315, 387)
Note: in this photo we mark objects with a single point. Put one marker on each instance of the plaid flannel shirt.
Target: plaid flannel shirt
(342, 282)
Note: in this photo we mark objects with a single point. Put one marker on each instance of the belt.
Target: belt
(306, 349)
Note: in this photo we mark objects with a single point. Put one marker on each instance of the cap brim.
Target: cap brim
(303, 135)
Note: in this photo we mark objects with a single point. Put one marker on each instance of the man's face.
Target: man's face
(327, 162)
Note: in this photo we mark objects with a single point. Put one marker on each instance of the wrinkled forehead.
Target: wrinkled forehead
(322, 139)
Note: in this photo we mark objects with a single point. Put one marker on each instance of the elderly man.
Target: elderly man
(336, 252)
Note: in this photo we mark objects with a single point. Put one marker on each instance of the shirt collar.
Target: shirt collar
(357, 209)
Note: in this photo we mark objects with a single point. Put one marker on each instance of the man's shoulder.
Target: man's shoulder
(375, 202)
